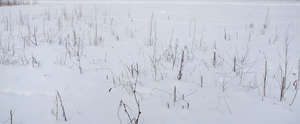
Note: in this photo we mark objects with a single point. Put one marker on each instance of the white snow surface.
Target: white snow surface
(42, 47)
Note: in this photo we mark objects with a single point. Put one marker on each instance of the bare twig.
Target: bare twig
(126, 111)
(11, 116)
(265, 77)
(174, 95)
(56, 114)
(284, 78)
(296, 84)
(62, 106)
(138, 106)
(133, 119)
(234, 64)
(201, 81)
(179, 76)
(215, 56)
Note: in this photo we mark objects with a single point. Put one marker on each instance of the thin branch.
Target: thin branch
(62, 106)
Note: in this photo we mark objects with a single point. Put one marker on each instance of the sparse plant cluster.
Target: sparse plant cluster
(179, 100)
(137, 55)
(11, 2)
(130, 109)
(133, 115)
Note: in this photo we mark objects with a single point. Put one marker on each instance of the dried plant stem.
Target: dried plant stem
(56, 114)
(11, 116)
(179, 76)
(265, 77)
(201, 81)
(234, 64)
(296, 84)
(283, 83)
(174, 93)
(138, 106)
(62, 106)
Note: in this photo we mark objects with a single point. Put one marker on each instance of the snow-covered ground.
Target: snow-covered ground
(110, 60)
